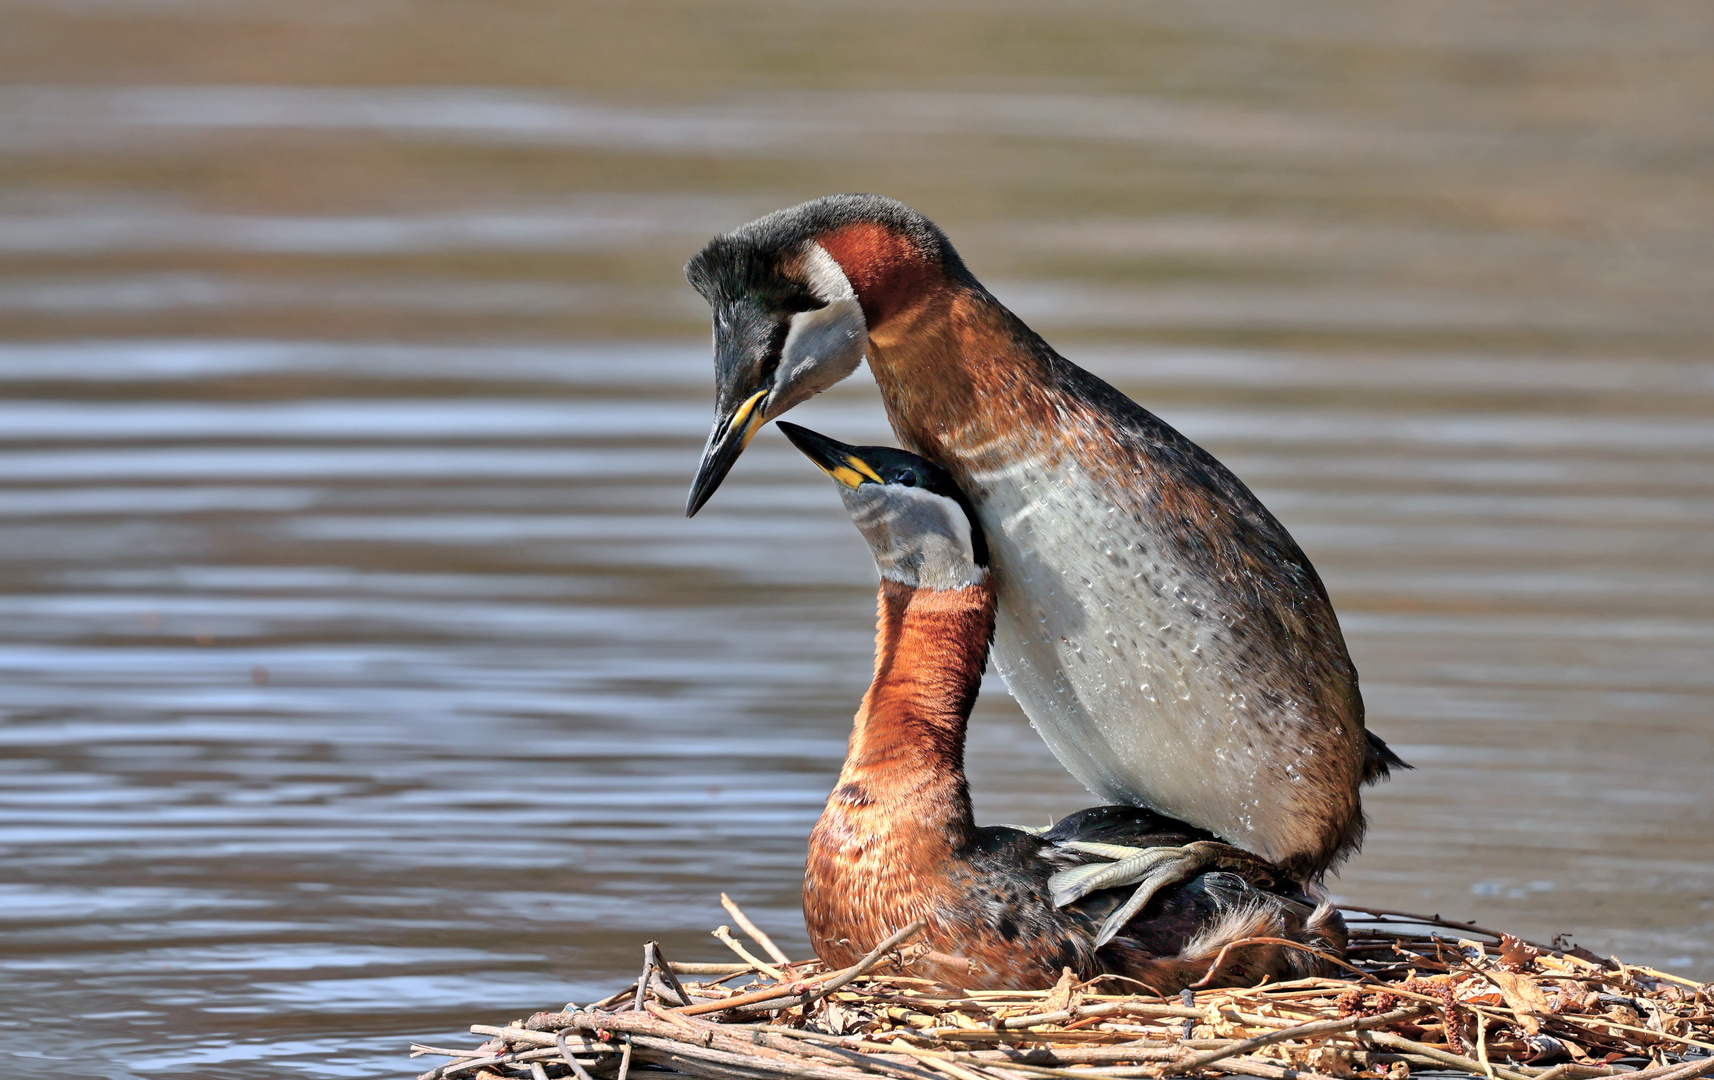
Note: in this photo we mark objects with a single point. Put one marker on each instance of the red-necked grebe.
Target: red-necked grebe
(1005, 907)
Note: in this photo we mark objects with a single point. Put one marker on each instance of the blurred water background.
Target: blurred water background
(360, 677)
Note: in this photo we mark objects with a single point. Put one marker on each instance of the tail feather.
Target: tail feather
(1379, 761)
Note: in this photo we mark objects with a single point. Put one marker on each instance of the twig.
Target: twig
(665, 970)
(657, 1032)
(1668, 976)
(750, 928)
(868, 1062)
(570, 1058)
(1301, 1031)
(453, 1067)
(775, 1038)
(1445, 1057)
(611, 999)
(1268, 1069)
(1482, 1048)
(696, 968)
(1144, 1009)
(643, 979)
(1683, 1070)
(1575, 1021)
(764, 1001)
(938, 1059)
(537, 1038)
(726, 938)
(1230, 945)
(418, 1050)
(1432, 920)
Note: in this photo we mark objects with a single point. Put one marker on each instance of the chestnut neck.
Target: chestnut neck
(956, 370)
(907, 741)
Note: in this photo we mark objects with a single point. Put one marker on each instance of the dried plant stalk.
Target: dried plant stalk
(1477, 1002)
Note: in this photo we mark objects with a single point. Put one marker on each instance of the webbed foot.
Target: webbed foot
(1150, 869)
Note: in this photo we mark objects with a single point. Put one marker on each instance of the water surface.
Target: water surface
(360, 677)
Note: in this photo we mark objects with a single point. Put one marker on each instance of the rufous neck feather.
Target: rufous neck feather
(930, 649)
(885, 269)
(952, 363)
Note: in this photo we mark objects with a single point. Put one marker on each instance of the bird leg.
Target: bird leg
(1150, 869)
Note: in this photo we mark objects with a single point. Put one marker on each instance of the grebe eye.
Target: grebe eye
(905, 478)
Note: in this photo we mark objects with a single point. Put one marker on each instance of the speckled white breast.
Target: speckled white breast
(1120, 656)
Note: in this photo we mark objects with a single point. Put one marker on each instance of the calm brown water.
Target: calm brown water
(359, 676)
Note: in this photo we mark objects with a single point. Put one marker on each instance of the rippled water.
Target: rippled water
(361, 679)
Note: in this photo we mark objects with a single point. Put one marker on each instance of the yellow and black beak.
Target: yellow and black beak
(836, 459)
(730, 436)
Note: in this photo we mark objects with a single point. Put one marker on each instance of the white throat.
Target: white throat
(825, 345)
(918, 538)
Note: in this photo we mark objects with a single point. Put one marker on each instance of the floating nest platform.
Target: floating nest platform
(1422, 994)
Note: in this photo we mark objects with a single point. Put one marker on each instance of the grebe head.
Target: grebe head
(918, 523)
(788, 320)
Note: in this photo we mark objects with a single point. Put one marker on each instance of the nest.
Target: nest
(1421, 993)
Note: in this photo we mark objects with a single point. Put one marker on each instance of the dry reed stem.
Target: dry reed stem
(725, 937)
(755, 932)
(755, 1003)
(1490, 1010)
(1301, 1031)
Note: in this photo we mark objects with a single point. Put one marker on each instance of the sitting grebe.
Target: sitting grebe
(1005, 907)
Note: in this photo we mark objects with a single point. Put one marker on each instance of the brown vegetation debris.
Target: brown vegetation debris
(1417, 998)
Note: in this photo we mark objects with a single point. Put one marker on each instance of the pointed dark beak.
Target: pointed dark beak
(836, 459)
(731, 434)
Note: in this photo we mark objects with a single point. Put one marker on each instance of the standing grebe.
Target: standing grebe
(1161, 630)
(1006, 907)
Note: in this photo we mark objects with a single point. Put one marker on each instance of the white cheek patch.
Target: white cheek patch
(918, 538)
(827, 278)
(824, 345)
